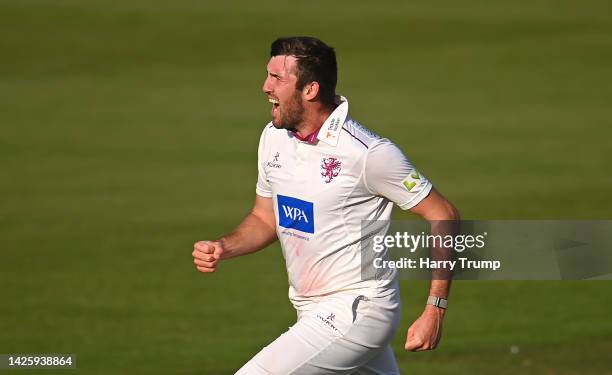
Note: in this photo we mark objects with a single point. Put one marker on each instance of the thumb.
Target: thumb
(217, 249)
(412, 343)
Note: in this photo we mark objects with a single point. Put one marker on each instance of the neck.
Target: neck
(314, 119)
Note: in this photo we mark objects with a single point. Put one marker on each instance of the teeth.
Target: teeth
(273, 101)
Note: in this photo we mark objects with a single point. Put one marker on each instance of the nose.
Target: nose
(266, 86)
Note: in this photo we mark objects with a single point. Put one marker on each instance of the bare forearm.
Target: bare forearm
(441, 278)
(444, 220)
(253, 234)
(440, 288)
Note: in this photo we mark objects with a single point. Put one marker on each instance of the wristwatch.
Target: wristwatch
(437, 302)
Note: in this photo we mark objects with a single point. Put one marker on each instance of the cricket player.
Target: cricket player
(320, 174)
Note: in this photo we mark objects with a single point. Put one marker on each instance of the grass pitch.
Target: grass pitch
(129, 130)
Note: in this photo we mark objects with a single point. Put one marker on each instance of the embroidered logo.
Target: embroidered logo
(329, 321)
(331, 168)
(274, 163)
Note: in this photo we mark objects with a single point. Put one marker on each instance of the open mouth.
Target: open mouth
(275, 104)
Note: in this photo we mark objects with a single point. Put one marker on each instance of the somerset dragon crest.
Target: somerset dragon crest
(331, 168)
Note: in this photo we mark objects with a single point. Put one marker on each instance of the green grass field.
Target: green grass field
(129, 131)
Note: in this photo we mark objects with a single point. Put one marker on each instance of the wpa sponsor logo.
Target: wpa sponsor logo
(295, 213)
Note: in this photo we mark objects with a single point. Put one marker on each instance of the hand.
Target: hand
(425, 332)
(206, 255)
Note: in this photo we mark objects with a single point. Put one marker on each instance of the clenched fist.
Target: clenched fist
(425, 332)
(206, 255)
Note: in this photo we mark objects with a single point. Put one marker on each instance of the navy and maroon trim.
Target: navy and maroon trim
(353, 135)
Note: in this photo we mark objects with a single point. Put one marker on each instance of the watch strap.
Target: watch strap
(438, 302)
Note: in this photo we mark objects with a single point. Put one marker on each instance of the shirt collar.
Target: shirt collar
(329, 132)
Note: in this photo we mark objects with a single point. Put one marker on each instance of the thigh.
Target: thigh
(382, 364)
(338, 336)
(282, 355)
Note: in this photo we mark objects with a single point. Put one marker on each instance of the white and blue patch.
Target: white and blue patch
(295, 214)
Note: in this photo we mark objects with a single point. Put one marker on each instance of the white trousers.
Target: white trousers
(343, 333)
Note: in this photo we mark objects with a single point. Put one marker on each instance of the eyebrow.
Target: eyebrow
(273, 74)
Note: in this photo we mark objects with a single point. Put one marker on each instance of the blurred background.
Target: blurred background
(128, 130)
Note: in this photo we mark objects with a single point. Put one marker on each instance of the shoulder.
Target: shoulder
(265, 140)
(267, 129)
(271, 132)
(357, 135)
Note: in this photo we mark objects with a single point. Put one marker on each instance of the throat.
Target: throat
(308, 137)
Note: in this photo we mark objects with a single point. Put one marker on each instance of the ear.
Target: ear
(311, 91)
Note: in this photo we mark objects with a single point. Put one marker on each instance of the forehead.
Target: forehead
(282, 65)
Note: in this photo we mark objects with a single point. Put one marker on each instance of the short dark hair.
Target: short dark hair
(316, 61)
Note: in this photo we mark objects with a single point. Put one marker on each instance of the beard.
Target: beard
(292, 113)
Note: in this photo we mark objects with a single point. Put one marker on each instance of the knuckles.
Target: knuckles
(206, 255)
(200, 246)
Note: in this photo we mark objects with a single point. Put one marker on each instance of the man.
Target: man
(320, 174)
